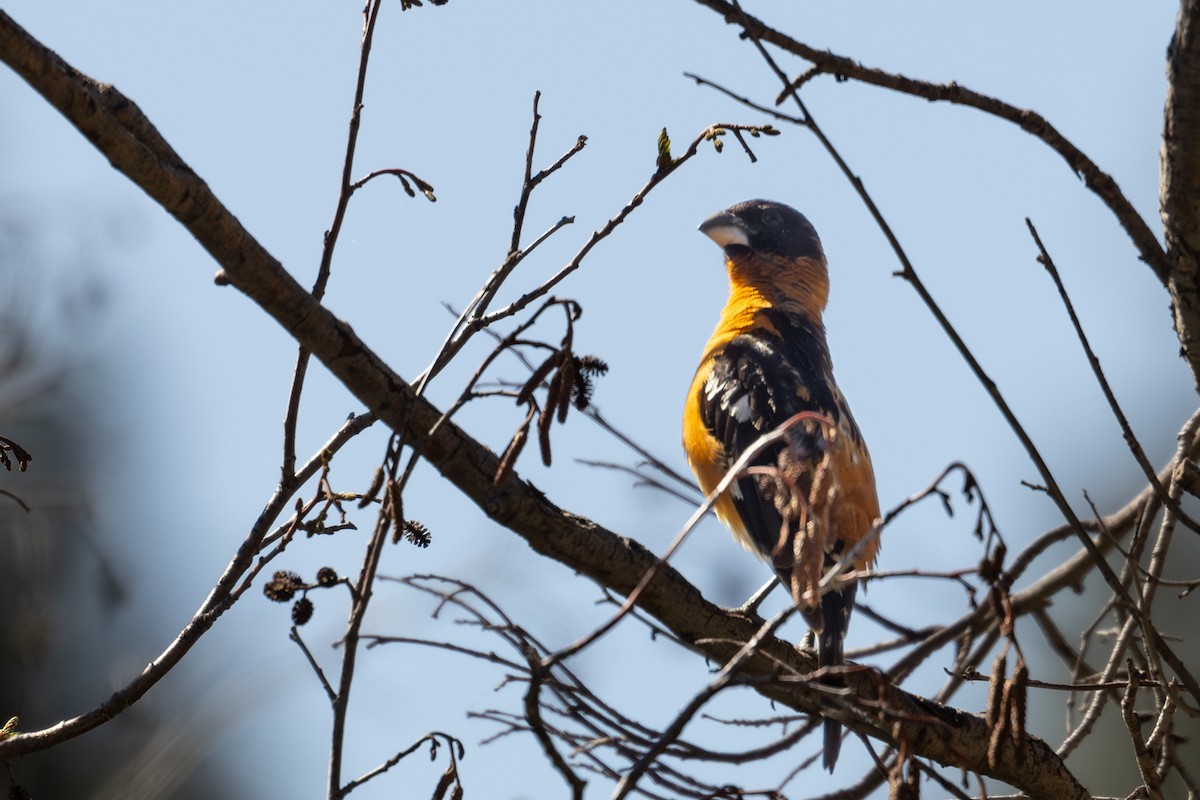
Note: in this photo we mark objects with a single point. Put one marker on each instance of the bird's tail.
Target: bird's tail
(835, 612)
(829, 622)
(829, 650)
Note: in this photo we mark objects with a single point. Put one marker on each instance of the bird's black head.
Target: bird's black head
(766, 228)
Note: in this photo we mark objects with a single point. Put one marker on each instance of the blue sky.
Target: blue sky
(256, 96)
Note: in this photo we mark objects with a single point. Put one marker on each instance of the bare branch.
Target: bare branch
(1101, 183)
(294, 635)
(453, 746)
(1131, 441)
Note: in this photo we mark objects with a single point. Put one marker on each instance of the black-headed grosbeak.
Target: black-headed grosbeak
(805, 502)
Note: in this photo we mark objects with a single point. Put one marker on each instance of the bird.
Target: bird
(808, 501)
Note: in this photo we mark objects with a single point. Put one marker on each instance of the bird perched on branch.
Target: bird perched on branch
(807, 501)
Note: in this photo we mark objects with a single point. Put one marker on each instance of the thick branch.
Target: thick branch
(126, 138)
(1179, 190)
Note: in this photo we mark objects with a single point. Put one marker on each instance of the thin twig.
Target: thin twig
(1142, 757)
(689, 486)
(1092, 713)
(370, 14)
(1102, 184)
(1135, 447)
(294, 635)
(453, 746)
(642, 478)
(664, 170)
(725, 678)
(465, 326)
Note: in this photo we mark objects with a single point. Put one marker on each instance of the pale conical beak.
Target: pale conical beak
(726, 230)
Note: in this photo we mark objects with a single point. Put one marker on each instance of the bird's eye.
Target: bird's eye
(771, 217)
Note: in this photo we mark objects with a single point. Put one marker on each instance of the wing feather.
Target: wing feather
(810, 497)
